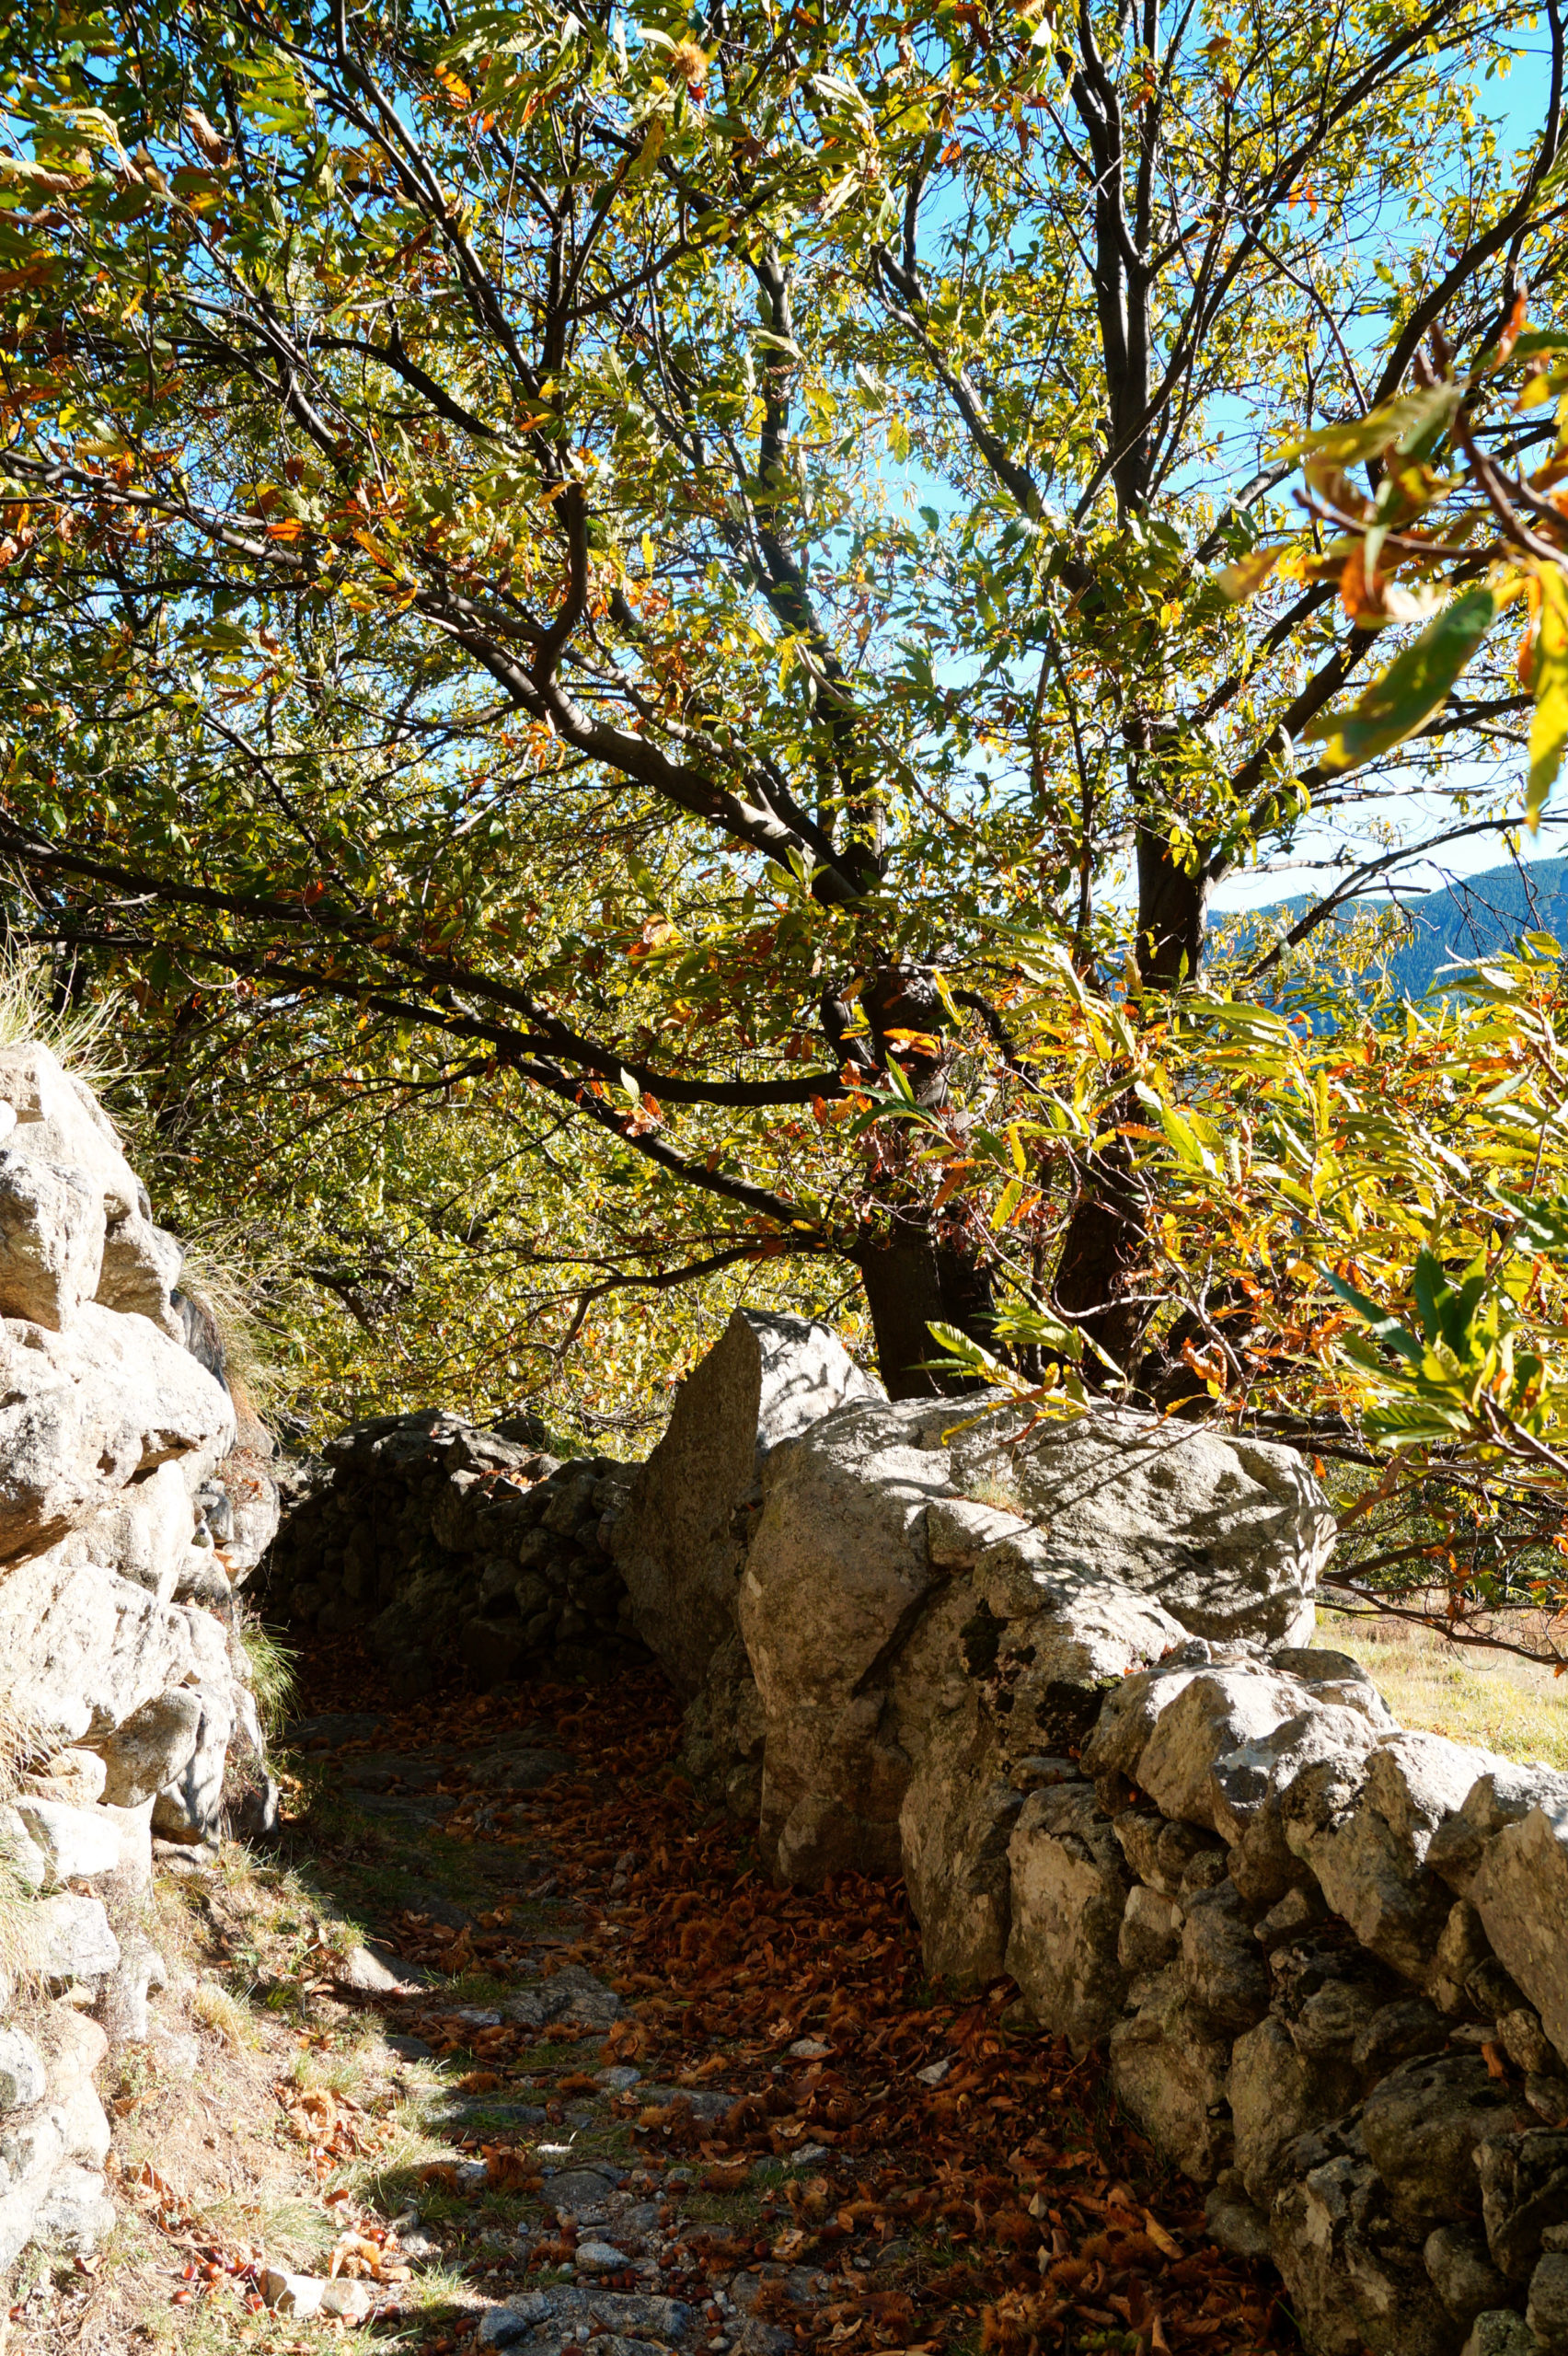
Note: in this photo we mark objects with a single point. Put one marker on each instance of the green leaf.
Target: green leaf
(1381, 1325)
(1404, 420)
(1549, 728)
(1414, 685)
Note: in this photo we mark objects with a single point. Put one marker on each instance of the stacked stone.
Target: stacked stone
(1060, 1678)
(451, 1548)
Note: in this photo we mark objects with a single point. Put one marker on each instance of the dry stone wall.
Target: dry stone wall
(134, 1501)
(452, 1549)
(1062, 1679)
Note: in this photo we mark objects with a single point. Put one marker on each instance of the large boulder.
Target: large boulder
(88, 1411)
(60, 1122)
(833, 1583)
(85, 1647)
(1229, 1535)
(765, 1380)
(110, 1431)
(923, 1571)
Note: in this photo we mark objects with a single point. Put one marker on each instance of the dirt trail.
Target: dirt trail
(524, 2037)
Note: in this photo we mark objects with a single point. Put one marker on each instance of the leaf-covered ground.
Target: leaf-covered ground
(818, 2146)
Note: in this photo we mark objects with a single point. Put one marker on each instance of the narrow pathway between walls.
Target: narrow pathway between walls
(505, 2043)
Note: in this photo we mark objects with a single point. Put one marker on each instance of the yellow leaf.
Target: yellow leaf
(1549, 728)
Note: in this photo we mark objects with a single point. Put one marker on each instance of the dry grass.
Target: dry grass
(1491, 1699)
(218, 2009)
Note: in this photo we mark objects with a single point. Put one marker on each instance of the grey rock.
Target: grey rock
(51, 1229)
(1071, 1640)
(954, 1829)
(1500, 2332)
(74, 1941)
(1523, 2180)
(1298, 1909)
(1169, 2068)
(85, 1412)
(1161, 1854)
(1130, 1711)
(1277, 2093)
(1217, 1714)
(21, 1853)
(571, 1994)
(350, 2301)
(766, 1381)
(1355, 2283)
(78, 1843)
(548, 2319)
(1462, 1948)
(574, 2191)
(1222, 1970)
(1227, 1535)
(189, 1807)
(1069, 1891)
(600, 2258)
(1462, 2273)
(1525, 2041)
(1331, 2021)
(1272, 1796)
(21, 2071)
(143, 1532)
(1397, 2032)
(1505, 1795)
(724, 1732)
(290, 2294)
(141, 1269)
(88, 1647)
(1235, 2220)
(76, 2213)
(1520, 1891)
(59, 1121)
(1334, 1678)
(1150, 1931)
(834, 1579)
(1424, 2124)
(1547, 2309)
(371, 1972)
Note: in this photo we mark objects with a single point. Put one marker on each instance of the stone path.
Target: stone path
(682, 2112)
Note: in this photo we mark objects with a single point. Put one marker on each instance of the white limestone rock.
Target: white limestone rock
(51, 1231)
(84, 1413)
(766, 1381)
(1228, 1535)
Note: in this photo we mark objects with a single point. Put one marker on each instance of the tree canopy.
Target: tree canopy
(666, 565)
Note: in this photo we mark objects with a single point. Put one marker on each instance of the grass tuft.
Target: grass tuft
(214, 2006)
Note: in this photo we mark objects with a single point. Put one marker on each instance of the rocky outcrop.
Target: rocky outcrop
(456, 1550)
(122, 1548)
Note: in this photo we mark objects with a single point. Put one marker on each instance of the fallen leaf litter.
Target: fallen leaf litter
(950, 2177)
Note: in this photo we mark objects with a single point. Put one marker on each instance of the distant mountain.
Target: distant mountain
(1470, 919)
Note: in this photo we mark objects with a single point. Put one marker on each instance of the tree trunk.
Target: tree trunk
(1101, 1253)
(910, 1280)
(1172, 913)
(1102, 1249)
